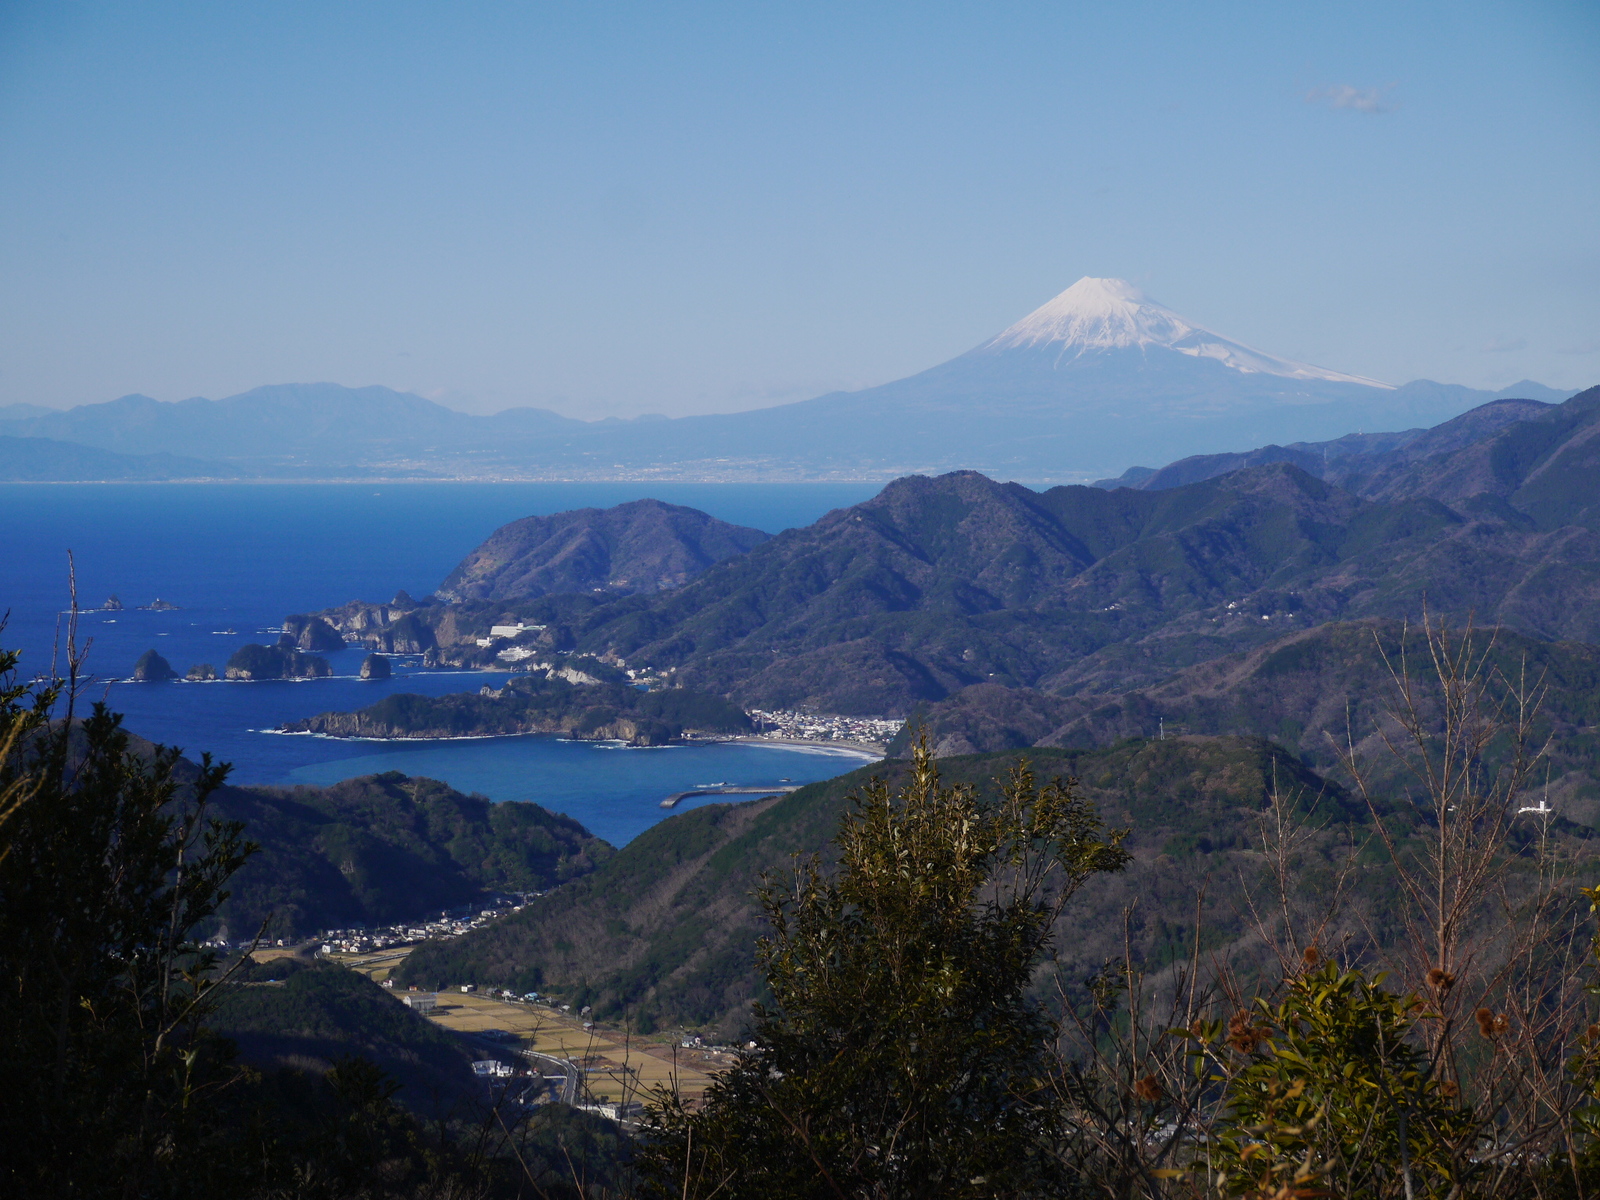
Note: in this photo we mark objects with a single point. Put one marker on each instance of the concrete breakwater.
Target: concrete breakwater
(738, 790)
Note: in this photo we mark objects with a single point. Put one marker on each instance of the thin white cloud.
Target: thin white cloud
(1503, 345)
(1372, 101)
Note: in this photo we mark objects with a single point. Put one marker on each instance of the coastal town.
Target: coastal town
(788, 725)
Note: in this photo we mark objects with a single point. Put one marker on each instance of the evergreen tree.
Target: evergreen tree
(107, 861)
(901, 1055)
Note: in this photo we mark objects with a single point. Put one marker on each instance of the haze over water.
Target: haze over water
(243, 556)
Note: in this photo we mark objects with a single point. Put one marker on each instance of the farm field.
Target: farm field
(617, 1067)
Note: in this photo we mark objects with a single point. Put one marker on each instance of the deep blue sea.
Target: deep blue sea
(240, 557)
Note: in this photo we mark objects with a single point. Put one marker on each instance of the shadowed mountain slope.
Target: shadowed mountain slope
(288, 1012)
(1544, 466)
(1310, 690)
(1539, 458)
(937, 584)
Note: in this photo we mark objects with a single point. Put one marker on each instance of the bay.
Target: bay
(237, 558)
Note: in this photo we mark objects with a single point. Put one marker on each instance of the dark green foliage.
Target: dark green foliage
(536, 704)
(628, 931)
(321, 1013)
(900, 1056)
(345, 1129)
(115, 1082)
(106, 864)
(387, 848)
(1328, 1089)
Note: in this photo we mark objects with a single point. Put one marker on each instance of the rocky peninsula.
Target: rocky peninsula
(541, 703)
(532, 584)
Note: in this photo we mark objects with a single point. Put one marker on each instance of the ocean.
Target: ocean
(237, 558)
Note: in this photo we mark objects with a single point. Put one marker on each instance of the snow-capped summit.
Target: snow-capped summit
(1112, 314)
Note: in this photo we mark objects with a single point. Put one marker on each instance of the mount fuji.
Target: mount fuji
(1099, 376)
(1097, 316)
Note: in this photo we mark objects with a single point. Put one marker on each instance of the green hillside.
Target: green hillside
(664, 933)
(387, 848)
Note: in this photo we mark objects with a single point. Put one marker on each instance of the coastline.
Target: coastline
(873, 750)
(868, 750)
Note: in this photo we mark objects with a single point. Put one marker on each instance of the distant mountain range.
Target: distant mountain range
(1096, 380)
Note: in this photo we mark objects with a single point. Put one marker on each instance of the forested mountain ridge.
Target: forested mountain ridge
(1311, 691)
(936, 584)
(1539, 458)
(1344, 459)
(290, 1012)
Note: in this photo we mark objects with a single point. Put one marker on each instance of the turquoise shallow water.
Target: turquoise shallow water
(237, 558)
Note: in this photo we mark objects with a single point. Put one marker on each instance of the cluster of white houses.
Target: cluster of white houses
(448, 924)
(781, 724)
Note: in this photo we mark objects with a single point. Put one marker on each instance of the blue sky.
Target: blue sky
(614, 209)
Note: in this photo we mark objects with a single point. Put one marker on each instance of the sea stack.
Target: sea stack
(312, 634)
(201, 673)
(256, 662)
(375, 666)
(152, 668)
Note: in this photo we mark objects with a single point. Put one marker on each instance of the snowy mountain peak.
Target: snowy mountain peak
(1112, 314)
